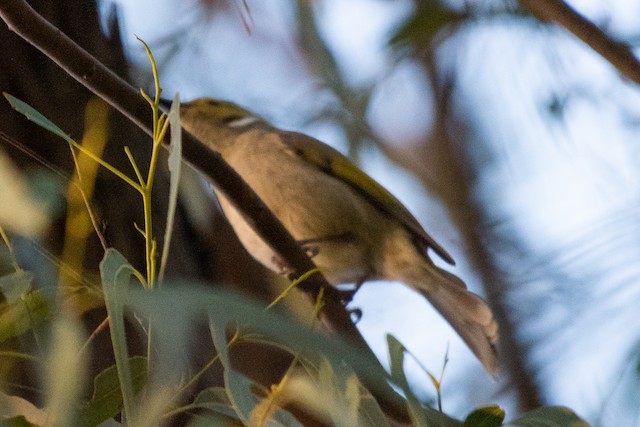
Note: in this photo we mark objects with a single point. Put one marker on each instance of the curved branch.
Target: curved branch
(617, 53)
(86, 69)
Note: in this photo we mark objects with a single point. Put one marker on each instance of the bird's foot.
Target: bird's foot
(355, 314)
(346, 295)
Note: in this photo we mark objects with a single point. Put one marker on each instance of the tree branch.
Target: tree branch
(617, 53)
(82, 66)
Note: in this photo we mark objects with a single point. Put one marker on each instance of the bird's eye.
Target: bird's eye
(232, 118)
(214, 103)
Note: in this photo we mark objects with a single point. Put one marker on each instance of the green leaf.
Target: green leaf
(238, 387)
(175, 169)
(216, 400)
(179, 303)
(342, 390)
(423, 416)
(42, 121)
(49, 190)
(64, 371)
(35, 116)
(116, 273)
(485, 416)
(348, 403)
(370, 412)
(550, 416)
(106, 401)
(396, 358)
(16, 408)
(225, 309)
(429, 19)
(15, 284)
(213, 419)
(20, 421)
(23, 315)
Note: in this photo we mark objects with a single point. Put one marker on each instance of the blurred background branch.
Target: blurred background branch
(617, 53)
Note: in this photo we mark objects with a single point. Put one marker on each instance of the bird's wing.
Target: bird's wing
(337, 165)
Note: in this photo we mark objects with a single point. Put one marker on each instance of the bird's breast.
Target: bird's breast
(338, 226)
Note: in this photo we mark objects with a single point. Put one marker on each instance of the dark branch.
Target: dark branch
(618, 54)
(82, 66)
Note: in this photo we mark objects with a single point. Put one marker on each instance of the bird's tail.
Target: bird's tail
(465, 311)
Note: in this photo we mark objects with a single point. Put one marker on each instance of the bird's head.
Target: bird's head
(217, 113)
(214, 122)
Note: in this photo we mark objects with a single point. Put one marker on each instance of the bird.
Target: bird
(353, 227)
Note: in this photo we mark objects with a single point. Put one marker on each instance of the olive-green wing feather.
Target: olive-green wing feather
(335, 164)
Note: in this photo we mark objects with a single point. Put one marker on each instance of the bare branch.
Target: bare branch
(617, 53)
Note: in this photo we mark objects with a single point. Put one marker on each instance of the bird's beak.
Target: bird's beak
(166, 103)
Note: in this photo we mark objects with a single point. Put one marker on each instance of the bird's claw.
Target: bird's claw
(346, 296)
(355, 314)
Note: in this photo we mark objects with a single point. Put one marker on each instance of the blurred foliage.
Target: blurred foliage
(431, 18)
(106, 400)
(322, 371)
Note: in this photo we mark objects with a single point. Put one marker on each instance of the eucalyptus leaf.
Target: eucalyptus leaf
(370, 412)
(226, 309)
(116, 273)
(238, 387)
(351, 403)
(15, 285)
(106, 400)
(215, 399)
(549, 416)
(341, 387)
(17, 408)
(396, 359)
(426, 23)
(485, 416)
(422, 416)
(175, 169)
(19, 421)
(214, 420)
(64, 371)
(35, 116)
(23, 315)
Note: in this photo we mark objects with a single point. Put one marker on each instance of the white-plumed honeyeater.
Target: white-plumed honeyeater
(356, 229)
